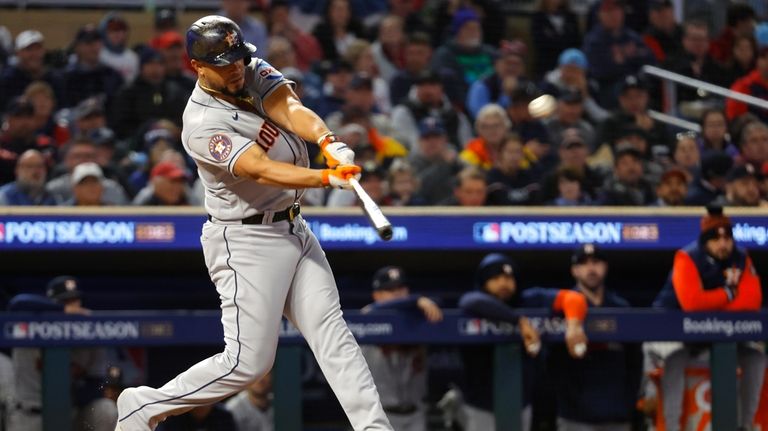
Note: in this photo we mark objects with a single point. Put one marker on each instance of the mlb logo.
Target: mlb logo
(20, 330)
(2, 232)
(471, 327)
(487, 232)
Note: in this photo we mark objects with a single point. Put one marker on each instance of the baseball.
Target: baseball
(534, 348)
(542, 106)
(580, 349)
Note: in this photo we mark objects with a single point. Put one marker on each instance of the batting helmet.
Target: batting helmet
(217, 40)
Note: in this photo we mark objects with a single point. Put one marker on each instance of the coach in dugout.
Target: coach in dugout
(712, 274)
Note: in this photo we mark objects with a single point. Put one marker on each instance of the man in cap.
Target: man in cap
(672, 188)
(710, 185)
(613, 50)
(573, 153)
(428, 99)
(434, 160)
(570, 115)
(712, 274)
(30, 66)
(115, 52)
(742, 187)
(29, 186)
(467, 45)
(360, 98)
(86, 75)
(150, 97)
(167, 187)
(417, 57)
(663, 35)
(496, 295)
(628, 187)
(17, 135)
(599, 392)
(87, 186)
(400, 372)
(571, 75)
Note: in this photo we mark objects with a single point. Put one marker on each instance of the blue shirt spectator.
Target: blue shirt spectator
(508, 70)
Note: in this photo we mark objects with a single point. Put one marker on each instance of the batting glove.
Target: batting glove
(335, 152)
(339, 176)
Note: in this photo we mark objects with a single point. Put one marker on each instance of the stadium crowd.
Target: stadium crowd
(428, 94)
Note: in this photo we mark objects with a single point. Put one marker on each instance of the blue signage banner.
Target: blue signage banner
(352, 232)
(192, 328)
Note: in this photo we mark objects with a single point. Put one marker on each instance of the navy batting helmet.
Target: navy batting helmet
(217, 40)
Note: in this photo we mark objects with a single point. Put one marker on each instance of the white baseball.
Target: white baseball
(580, 349)
(534, 348)
(542, 106)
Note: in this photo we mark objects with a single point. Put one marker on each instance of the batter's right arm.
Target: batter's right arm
(255, 164)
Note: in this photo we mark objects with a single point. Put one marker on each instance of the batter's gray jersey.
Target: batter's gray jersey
(216, 133)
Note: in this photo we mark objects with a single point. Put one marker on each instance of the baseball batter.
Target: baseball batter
(244, 127)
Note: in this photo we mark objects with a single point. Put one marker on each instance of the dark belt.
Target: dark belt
(401, 410)
(289, 214)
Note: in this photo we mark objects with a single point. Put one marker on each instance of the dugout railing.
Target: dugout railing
(57, 333)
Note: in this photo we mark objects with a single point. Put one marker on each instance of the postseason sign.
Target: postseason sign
(460, 231)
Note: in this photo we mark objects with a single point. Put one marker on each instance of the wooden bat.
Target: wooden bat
(375, 216)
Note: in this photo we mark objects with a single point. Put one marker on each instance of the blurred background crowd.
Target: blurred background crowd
(433, 95)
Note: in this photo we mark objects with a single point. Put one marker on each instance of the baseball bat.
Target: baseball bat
(376, 217)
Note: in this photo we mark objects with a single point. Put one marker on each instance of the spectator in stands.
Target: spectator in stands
(305, 45)
(492, 126)
(508, 71)
(638, 139)
(570, 189)
(40, 95)
(252, 408)
(714, 133)
(17, 135)
(470, 188)
(600, 390)
(571, 76)
(554, 28)
(29, 187)
(211, 417)
(742, 187)
(464, 54)
(753, 144)
(570, 115)
(114, 51)
(633, 111)
(712, 274)
(87, 116)
(434, 161)
(427, 99)
(509, 180)
(418, 55)
(360, 56)
(87, 186)
(710, 184)
(614, 51)
(628, 187)
(687, 154)
(280, 53)
(403, 185)
(86, 76)
(149, 98)
(672, 188)
(695, 62)
(537, 141)
(389, 48)
(359, 98)
(573, 153)
(663, 35)
(80, 151)
(743, 58)
(740, 21)
(371, 142)
(754, 84)
(496, 295)
(167, 187)
(337, 75)
(400, 371)
(170, 45)
(338, 30)
(254, 31)
(30, 66)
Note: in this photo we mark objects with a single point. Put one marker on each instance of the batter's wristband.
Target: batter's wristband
(326, 139)
(325, 173)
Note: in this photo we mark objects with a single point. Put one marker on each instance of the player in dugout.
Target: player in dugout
(712, 274)
(496, 296)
